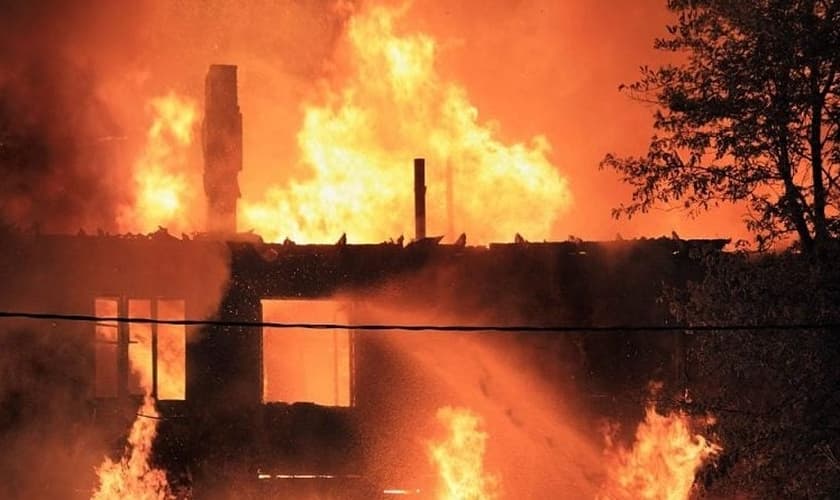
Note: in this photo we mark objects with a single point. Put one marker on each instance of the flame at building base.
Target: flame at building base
(663, 462)
(133, 477)
(460, 458)
(661, 465)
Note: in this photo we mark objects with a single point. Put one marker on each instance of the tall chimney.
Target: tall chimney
(450, 201)
(420, 198)
(222, 142)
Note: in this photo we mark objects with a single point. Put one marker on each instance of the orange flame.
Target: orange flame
(164, 189)
(360, 143)
(171, 349)
(662, 462)
(132, 477)
(460, 458)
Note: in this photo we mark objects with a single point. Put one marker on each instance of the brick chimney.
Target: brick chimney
(222, 144)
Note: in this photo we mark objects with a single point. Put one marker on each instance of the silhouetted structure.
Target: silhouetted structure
(224, 416)
(420, 198)
(222, 142)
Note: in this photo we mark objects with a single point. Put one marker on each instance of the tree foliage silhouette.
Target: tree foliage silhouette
(749, 114)
(775, 393)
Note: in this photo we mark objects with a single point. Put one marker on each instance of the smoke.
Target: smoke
(49, 443)
(538, 436)
(51, 425)
(58, 138)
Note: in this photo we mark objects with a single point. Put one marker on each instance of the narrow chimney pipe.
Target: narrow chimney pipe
(420, 198)
(450, 202)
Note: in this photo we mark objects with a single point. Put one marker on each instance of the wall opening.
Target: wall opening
(155, 354)
(307, 365)
(140, 348)
(171, 351)
(105, 347)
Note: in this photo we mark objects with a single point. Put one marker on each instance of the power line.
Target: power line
(413, 328)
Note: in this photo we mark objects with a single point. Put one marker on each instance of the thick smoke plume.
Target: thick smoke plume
(49, 443)
(58, 137)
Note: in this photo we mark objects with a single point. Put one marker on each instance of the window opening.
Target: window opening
(306, 365)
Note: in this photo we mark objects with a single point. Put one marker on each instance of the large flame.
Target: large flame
(360, 143)
(164, 190)
(460, 458)
(663, 461)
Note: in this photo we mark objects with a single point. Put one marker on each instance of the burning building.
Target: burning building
(298, 401)
(267, 366)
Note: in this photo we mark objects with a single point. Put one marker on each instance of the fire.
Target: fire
(170, 350)
(460, 458)
(360, 142)
(132, 477)
(163, 187)
(662, 462)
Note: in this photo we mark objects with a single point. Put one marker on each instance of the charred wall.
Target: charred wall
(570, 283)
